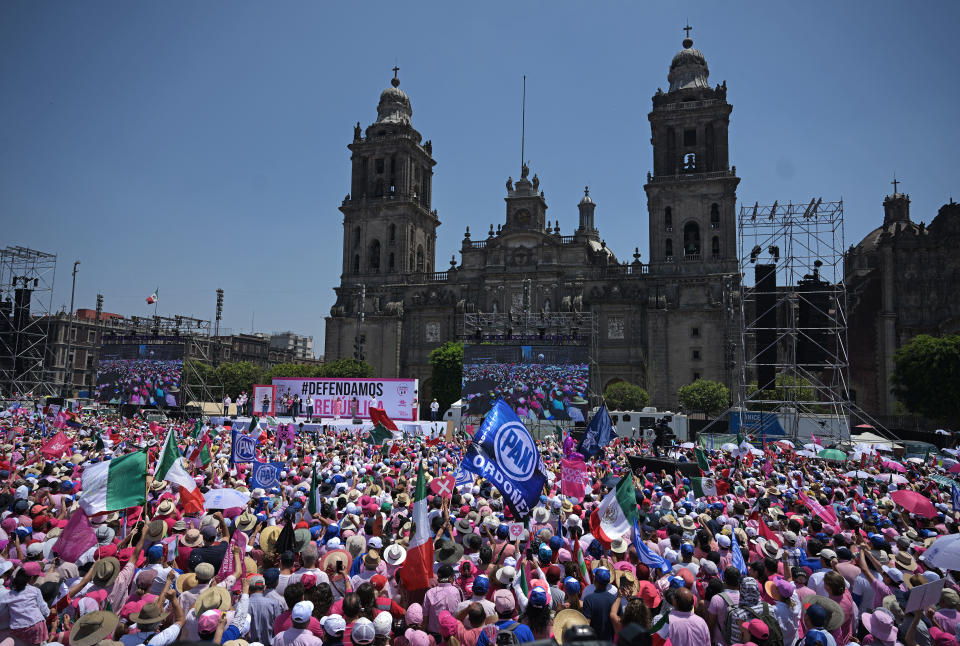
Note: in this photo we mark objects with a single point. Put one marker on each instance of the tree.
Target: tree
(239, 376)
(926, 376)
(626, 396)
(346, 368)
(704, 396)
(290, 370)
(447, 365)
(786, 388)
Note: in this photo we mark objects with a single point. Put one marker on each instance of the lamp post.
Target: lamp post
(68, 381)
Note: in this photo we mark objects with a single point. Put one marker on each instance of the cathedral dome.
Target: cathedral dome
(688, 69)
(394, 106)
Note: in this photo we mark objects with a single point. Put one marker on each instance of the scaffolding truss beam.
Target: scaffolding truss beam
(26, 296)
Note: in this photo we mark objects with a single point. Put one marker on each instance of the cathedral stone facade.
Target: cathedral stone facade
(903, 280)
(661, 324)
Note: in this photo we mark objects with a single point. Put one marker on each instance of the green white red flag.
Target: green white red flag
(418, 568)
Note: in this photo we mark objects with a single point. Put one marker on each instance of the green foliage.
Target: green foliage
(239, 376)
(626, 396)
(290, 370)
(704, 396)
(345, 368)
(786, 388)
(926, 376)
(447, 364)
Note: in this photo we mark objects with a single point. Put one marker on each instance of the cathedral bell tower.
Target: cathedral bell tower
(691, 194)
(388, 225)
(526, 207)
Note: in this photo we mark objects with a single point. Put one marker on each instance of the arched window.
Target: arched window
(419, 257)
(393, 232)
(691, 239)
(668, 218)
(374, 256)
(714, 216)
(715, 246)
(356, 236)
(690, 163)
(391, 265)
(668, 249)
(356, 264)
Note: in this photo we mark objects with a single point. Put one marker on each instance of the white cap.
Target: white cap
(302, 612)
(375, 542)
(333, 624)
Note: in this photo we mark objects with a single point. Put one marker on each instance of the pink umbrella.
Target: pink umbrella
(955, 468)
(914, 502)
(895, 466)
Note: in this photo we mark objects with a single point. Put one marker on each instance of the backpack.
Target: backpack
(728, 619)
(506, 636)
(776, 634)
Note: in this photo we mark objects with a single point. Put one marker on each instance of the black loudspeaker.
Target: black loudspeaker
(765, 322)
(814, 322)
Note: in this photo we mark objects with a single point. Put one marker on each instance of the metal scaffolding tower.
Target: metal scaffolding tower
(793, 308)
(26, 296)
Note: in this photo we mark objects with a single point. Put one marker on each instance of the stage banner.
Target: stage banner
(263, 400)
(754, 423)
(353, 397)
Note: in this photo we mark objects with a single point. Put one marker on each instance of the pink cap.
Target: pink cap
(208, 621)
(503, 601)
(414, 614)
(32, 568)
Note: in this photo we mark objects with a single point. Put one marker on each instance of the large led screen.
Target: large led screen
(541, 383)
(140, 374)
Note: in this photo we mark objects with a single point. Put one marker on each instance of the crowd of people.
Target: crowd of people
(142, 382)
(786, 550)
(536, 391)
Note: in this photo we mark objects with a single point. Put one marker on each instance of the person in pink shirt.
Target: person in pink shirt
(686, 628)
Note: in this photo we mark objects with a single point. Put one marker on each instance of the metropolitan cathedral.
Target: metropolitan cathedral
(661, 324)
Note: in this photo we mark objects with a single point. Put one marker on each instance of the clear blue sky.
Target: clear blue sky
(196, 145)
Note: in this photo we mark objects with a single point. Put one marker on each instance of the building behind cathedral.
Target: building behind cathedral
(661, 324)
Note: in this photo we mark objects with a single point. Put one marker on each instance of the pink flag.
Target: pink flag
(767, 467)
(226, 568)
(76, 538)
(57, 446)
(826, 514)
(573, 477)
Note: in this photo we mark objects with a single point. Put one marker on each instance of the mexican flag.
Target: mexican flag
(704, 487)
(614, 517)
(418, 568)
(582, 568)
(313, 505)
(378, 435)
(702, 459)
(170, 468)
(152, 298)
(115, 484)
(200, 455)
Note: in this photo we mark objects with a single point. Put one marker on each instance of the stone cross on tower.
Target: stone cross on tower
(894, 182)
(688, 29)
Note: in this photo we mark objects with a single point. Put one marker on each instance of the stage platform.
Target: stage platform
(425, 428)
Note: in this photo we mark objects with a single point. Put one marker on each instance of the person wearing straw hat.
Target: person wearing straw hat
(151, 616)
(93, 628)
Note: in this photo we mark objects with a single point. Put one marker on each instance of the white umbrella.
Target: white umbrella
(949, 462)
(729, 446)
(895, 478)
(940, 431)
(755, 450)
(810, 446)
(686, 445)
(787, 442)
(856, 474)
(225, 499)
(807, 454)
(915, 460)
(944, 553)
(951, 451)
